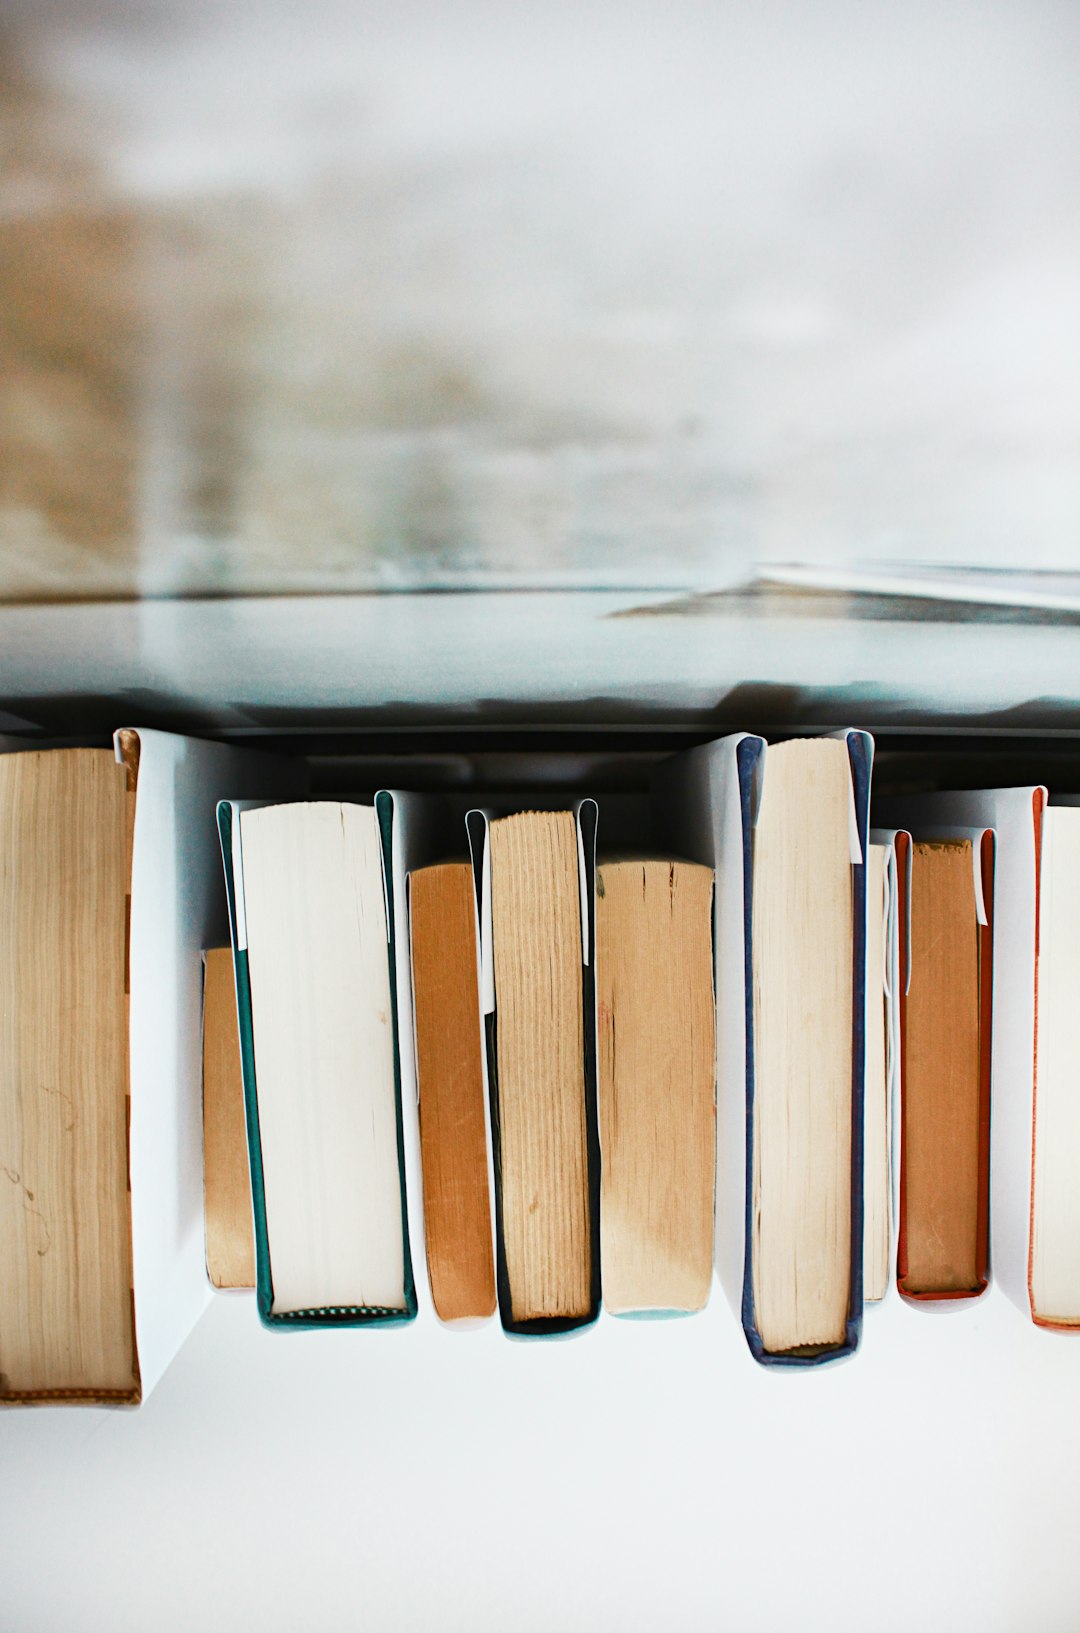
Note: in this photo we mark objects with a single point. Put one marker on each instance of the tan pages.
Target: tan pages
(656, 1083)
(230, 1235)
(945, 1101)
(449, 1054)
(543, 1139)
(67, 1328)
(802, 997)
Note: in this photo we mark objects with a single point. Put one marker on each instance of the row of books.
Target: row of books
(530, 1081)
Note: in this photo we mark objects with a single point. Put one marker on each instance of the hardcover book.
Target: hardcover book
(115, 892)
(1034, 1154)
(786, 830)
(656, 1066)
(535, 880)
(452, 1091)
(946, 1066)
(315, 942)
(885, 989)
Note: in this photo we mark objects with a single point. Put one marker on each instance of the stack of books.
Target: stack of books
(494, 1063)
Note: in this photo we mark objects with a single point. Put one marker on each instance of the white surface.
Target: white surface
(643, 1475)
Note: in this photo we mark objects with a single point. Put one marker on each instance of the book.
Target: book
(63, 896)
(1054, 1269)
(312, 913)
(886, 981)
(67, 1319)
(877, 1129)
(230, 1236)
(178, 907)
(786, 830)
(536, 904)
(801, 959)
(451, 1091)
(1016, 816)
(656, 1071)
(945, 1094)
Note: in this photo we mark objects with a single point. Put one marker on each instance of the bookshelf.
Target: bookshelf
(439, 395)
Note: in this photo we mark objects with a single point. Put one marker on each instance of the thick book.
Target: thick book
(67, 1317)
(656, 1083)
(114, 893)
(945, 1067)
(451, 1086)
(314, 940)
(535, 880)
(786, 830)
(230, 1235)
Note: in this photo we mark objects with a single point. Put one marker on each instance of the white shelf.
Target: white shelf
(638, 1476)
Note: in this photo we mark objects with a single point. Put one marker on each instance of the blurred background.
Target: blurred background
(405, 296)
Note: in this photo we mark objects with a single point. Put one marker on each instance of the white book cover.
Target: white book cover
(698, 811)
(177, 909)
(894, 980)
(418, 836)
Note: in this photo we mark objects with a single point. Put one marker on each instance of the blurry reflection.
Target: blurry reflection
(353, 296)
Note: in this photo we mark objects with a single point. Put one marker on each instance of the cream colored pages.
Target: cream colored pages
(1055, 1261)
(802, 996)
(536, 917)
(876, 1171)
(324, 1055)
